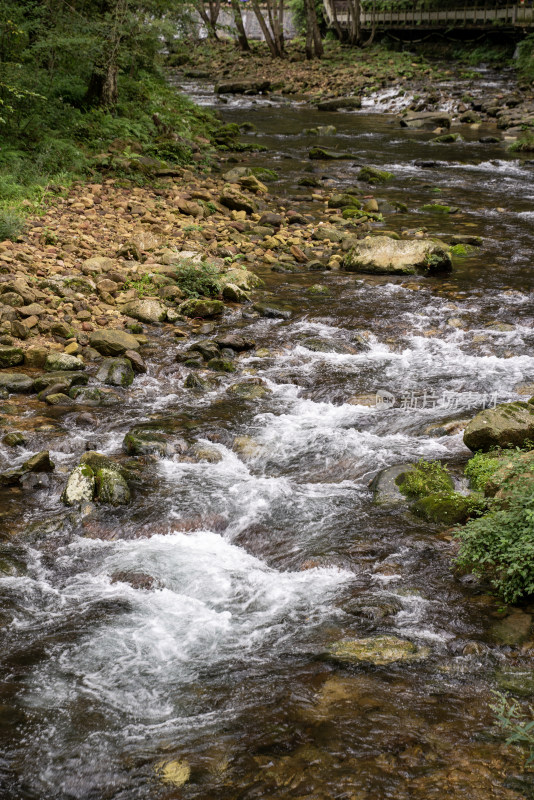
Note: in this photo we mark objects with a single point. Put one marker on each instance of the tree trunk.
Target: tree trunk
(240, 28)
(210, 19)
(314, 43)
(102, 90)
(271, 44)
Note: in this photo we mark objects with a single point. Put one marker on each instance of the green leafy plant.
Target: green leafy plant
(198, 280)
(515, 722)
(11, 225)
(144, 286)
(481, 468)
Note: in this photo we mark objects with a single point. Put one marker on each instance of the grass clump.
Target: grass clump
(198, 280)
(11, 225)
(517, 724)
(428, 477)
(144, 287)
(524, 144)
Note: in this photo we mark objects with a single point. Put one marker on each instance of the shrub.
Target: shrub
(198, 280)
(524, 144)
(500, 545)
(481, 468)
(11, 225)
(427, 478)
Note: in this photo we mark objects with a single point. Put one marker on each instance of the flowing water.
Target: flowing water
(270, 551)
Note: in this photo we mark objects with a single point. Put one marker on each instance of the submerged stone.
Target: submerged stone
(378, 650)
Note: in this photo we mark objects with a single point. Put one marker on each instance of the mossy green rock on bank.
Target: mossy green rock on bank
(202, 308)
(378, 650)
(447, 508)
(506, 425)
(10, 356)
(383, 255)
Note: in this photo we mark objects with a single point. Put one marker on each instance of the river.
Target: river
(272, 549)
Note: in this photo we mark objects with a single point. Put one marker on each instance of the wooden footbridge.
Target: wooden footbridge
(480, 15)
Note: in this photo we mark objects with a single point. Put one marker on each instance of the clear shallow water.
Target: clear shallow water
(261, 559)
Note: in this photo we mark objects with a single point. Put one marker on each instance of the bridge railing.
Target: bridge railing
(475, 14)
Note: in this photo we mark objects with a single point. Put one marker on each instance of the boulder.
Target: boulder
(506, 425)
(96, 265)
(443, 508)
(67, 379)
(142, 441)
(147, 310)
(202, 308)
(60, 362)
(243, 87)
(116, 372)
(91, 396)
(383, 255)
(16, 382)
(385, 485)
(321, 154)
(335, 103)
(236, 201)
(427, 120)
(58, 399)
(233, 294)
(111, 487)
(11, 356)
(374, 176)
(80, 486)
(38, 463)
(272, 310)
(113, 342)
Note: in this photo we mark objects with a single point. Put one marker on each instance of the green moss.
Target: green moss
(427, 477)
(463, 250)
(264, 174)
(447, 508)
(438, 208)
(374, 176)
(447, 138)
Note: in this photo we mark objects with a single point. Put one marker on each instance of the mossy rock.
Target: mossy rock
(447, 138)
(506, 425)
(320, 154)
(116, 372)
(80, 486)
(111, 487)
(344, 201)
(374, 176)
(438, 208)
(141, 442)
(378, 650)
(443, 508)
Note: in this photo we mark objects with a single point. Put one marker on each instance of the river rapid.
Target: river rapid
(271, 549)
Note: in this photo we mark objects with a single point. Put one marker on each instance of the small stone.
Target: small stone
(136, 361)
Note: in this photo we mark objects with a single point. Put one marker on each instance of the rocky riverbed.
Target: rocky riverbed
(202, 593)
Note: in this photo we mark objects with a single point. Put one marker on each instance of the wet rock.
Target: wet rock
(59, 399)
(221, 365)
(272, 310)
(447, 138)
(38, 463)
(513, 629)
(59, 362)
(136, 361)
(80, 486)
(147, 310)
(335, 103)
(326, 233)
(67, 379)
(319, 345)
(321, 154)
(378, 650)
(426, 120)
(111, 487)
(142, 441)
(113, 342)
(204, 452)
(243, 87)
(382, 255)
(252, 184)
(91, 396)
(207, 349)
(202, 308)
(11, 356)
(518, 680)
(16, 382)
(35, 356)
(253, 389)
(373, 175)
(507, 425)
(236, 342)
(116, 372)
(385, 485)
(197, 382)
(233, 294)
(137, 580)
(14, 439)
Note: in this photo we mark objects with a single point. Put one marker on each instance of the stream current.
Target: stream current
(271, 551)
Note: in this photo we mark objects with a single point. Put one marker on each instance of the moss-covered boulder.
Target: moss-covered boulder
(321, 154)
(383, 255)
(62, 362)
(116, 372)
(426, 120)
(10, 356)
(141, 441)
(16, 382)
(378, 650)
(336, 103)
(506, 425)
(374, 175)
(202, 308)
(111, 487)
(443, 508)
(80, 486)
(99, 478)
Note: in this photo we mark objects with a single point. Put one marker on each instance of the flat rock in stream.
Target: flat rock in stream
(16, 382)
(426, 120)
(320, 154)
(382, 255)
(113, 342)
(335, 103)
(378, 650)
(243, 87)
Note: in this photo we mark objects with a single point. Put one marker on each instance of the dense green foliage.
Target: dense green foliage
(480, 469)
(80, 79)
(500, 544)
(198, 280)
